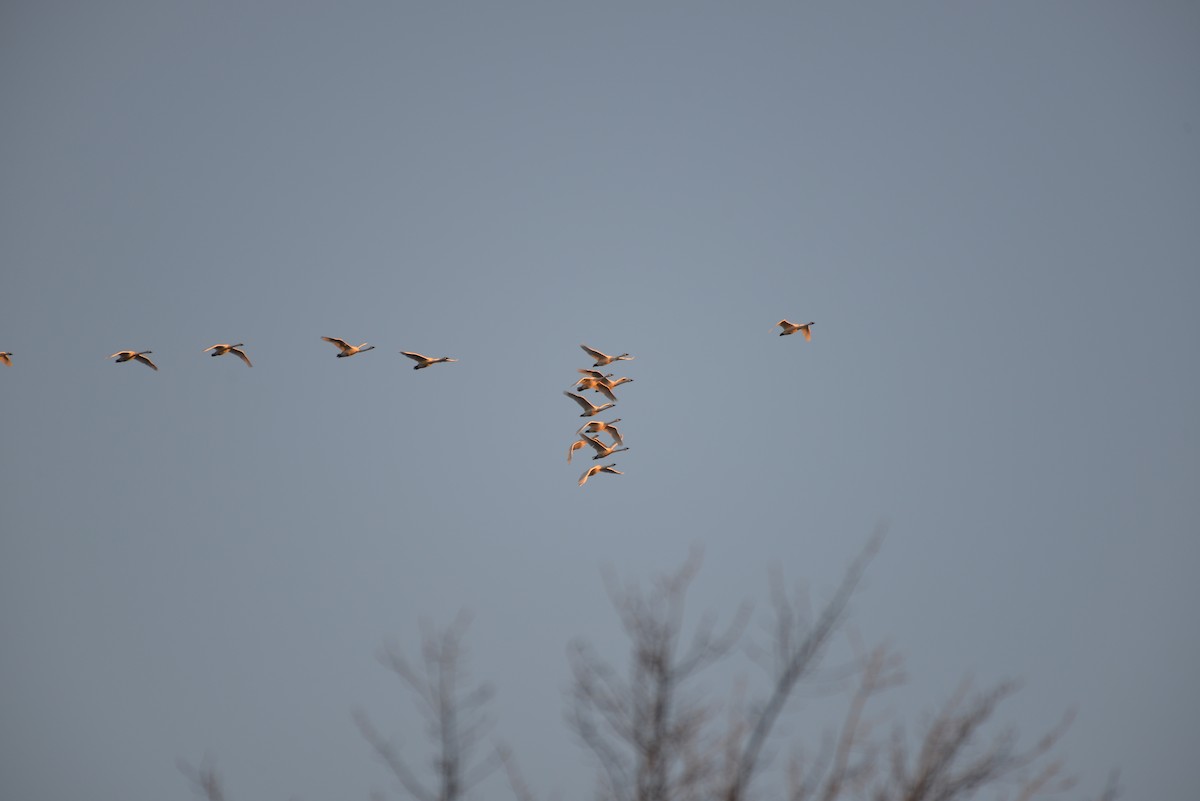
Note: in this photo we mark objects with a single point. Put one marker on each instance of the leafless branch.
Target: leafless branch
(797, 649)
(204, 779)
(647, 732)
(951, 764)
(454, 719)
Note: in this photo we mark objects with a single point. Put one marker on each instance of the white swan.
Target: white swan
(425, 361)
(221, 350)
(596, 426)
(346, 348)
(127, 355)
(588, 408)
(601, 449)
(600, 468)
(791, 328)
(604, 386)
(603, 358)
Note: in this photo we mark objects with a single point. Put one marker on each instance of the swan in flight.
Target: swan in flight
(602, 450)
(346, 348)
(791, 328)
(596, 426)
(425, 361)
(127, 355)
(599, 468)
(603, 358)
(604, 386)
(221, 350)
(598, 384)
(6, 357)
(588, 408)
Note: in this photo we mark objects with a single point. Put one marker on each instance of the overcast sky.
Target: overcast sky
(989, 209)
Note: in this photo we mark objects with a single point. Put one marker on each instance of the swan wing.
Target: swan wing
(604, 390)
(599, 446)
(582, 401)
(616, 435)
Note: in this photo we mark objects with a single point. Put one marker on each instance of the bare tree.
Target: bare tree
(799, 641)
(657, 735)
(951, 763)
(647, 730)
(655, 739)
(454, 717)
(204, 779)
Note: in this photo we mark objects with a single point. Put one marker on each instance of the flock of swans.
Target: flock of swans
(345, 349)
(593, 380)
(604, 384)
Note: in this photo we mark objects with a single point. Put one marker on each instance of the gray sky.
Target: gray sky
(989, 209)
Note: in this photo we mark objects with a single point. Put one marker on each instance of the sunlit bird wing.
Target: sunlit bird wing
(583, 402)
(595, 354)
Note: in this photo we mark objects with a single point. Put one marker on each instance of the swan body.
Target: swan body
(604, 386)
(791, 328)
(602, 450)
(588, 408)
(596, 426)
(425, 361)
(6, 358)
(221, 350)
(603, 358)
(346, 348)
(599, 468)
(134, 355)
(600, 385)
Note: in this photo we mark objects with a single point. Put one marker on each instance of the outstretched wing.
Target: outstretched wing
(241, 356)
(416, 357)
(616, 435)
(599, 446)
(341, 343)
(582, 401)
(604, 390)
